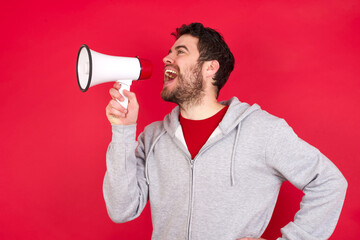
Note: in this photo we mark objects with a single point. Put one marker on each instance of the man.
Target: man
(213, 170)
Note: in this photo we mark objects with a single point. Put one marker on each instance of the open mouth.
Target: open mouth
(171, 74)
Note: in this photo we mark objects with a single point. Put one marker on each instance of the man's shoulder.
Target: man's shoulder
(266, 117)
(154, 128)
(258, 114)
(155, 125)
(262, 119)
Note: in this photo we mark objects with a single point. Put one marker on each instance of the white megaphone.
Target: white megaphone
(93, 68)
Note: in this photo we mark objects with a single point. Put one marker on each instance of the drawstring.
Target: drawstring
(254, 108)
(232, 179)
(148, 155)
(233, 155)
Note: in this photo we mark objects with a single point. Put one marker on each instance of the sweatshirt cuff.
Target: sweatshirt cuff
(123, 133)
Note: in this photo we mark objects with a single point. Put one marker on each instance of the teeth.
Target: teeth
(170, 73)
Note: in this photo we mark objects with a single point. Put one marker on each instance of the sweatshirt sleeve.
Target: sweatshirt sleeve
(310, 171)
(124, 188)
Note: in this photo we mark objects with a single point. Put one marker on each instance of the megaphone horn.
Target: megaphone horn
(93, 68)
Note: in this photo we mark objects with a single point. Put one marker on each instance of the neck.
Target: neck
(201, 110)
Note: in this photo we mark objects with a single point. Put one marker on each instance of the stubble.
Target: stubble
(189, 90)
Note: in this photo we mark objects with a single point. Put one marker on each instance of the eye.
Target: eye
(180, 52)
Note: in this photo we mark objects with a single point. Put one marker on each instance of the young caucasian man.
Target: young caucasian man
(213, 170)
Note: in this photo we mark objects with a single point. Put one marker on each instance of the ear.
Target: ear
(211, 68)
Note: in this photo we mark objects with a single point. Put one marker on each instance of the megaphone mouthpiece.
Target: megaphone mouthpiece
(146, 69)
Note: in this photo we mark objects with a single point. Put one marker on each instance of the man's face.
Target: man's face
(183, 80)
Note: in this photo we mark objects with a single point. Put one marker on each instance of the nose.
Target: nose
(168, 60)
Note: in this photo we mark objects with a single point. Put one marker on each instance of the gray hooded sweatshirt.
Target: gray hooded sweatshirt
(229, 190)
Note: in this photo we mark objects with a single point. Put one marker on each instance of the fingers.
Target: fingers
(116, 105)
(115, 94)
(132, 97)
(117, 85)
(115, 109)
(116, 113)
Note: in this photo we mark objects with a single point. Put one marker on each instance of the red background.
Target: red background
(297, 59)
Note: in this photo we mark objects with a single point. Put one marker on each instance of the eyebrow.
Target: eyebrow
(180, 46)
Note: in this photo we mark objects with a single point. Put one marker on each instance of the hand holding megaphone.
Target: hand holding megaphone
(93, 68)
(116, 113)
(125, 85)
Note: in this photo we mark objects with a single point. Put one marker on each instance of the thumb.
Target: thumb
(131, 96)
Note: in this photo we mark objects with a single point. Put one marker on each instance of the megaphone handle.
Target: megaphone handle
(127, 87)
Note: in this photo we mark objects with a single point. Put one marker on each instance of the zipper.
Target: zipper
(191, 200)
(192, 185)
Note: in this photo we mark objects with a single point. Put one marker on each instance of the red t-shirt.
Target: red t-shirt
(197, 132)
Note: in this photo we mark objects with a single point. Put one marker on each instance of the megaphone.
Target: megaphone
(93, 68)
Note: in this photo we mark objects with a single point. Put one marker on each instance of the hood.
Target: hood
(236, 112)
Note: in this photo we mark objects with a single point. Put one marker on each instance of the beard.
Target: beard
(189, 89)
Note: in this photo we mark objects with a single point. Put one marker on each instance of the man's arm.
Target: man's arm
(310, 171)
(124, 188)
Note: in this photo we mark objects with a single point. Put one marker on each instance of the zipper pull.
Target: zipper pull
(191, 163)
